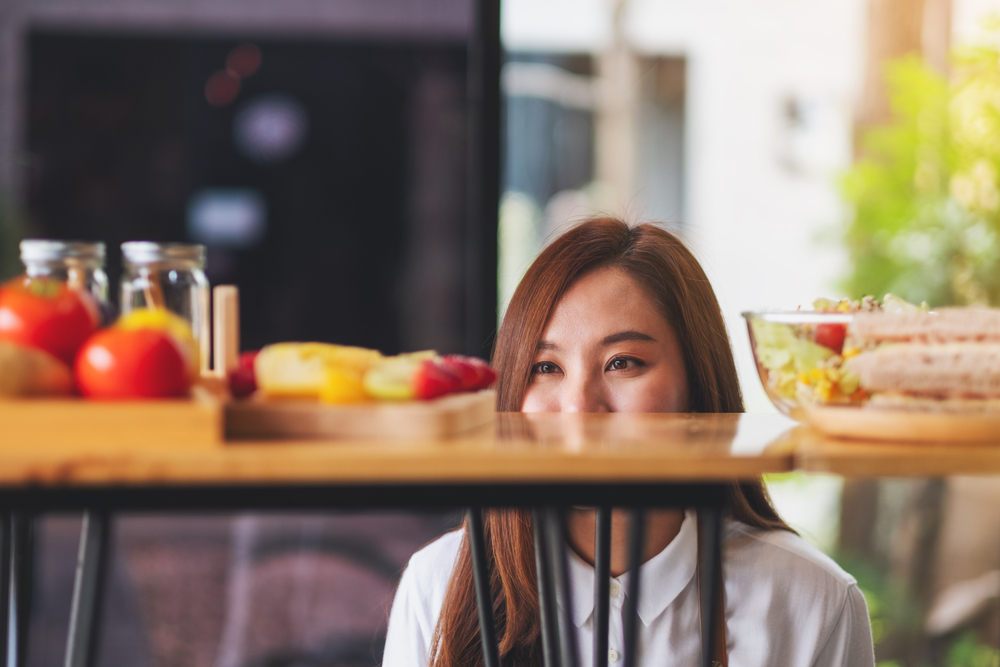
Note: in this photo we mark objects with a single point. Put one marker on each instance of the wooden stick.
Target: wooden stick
(226, 328)
(153, 292)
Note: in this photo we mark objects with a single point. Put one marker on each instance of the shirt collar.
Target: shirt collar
(662, 578)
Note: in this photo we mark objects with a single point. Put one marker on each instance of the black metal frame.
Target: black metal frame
(547, 500)
(484, 169)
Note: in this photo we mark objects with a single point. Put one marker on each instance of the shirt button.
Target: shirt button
(616, 589)
(613, 656)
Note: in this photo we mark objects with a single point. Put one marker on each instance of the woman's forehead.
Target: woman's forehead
(604, 302)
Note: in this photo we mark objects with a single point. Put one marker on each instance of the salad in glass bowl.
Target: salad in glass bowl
(800, 354)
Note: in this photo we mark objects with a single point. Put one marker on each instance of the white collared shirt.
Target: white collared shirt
(786, 604)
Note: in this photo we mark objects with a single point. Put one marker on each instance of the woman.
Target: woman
(612, 318)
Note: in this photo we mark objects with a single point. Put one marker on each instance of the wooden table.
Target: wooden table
(815, 452)
(541, 461)
(521, 448)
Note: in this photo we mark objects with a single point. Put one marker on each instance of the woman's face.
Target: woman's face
(607, 348)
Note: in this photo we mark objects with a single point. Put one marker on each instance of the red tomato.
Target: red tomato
(46, 314)
(831, 336)
(132, 363)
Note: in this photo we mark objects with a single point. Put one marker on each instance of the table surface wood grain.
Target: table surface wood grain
(518, 448)
(816, 452)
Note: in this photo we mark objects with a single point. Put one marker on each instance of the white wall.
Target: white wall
(755, 224)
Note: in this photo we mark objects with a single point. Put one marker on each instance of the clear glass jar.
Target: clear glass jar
(80, 264)
(172, 276)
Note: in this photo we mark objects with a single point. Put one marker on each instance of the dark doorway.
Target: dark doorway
(353, 235)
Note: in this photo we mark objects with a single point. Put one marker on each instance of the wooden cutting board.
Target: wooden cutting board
(74, 424)
(259, 418)
(918, 427)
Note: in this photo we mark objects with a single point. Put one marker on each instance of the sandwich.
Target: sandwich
(944, 361)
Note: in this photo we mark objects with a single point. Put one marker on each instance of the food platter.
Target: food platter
(439, 418)
(61, 423)
(844, 421)
(204, 420)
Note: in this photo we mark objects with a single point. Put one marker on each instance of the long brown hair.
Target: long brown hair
(674, 279)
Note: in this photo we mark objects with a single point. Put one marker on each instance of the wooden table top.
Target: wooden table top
(518, 448)
(815, 452)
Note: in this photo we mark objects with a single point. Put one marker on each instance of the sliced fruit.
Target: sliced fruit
(416, 376)
(242, 381)
(301, 369)
(343, 387)
(434, 379)
(28, 371)
(475, 373)
(391, 379)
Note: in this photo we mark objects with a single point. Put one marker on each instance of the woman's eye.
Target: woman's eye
(624, 364)
(544, 368)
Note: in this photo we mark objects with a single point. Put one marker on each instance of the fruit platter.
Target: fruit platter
(71, 376)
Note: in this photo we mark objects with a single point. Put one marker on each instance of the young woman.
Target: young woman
(613, 318)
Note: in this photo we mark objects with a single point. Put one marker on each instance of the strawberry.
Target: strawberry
(242, 381)
(433, 379)
(475, 373)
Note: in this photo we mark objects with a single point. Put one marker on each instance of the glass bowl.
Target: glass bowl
(800, 358)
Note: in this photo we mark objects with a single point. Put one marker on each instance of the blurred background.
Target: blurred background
(321, 151)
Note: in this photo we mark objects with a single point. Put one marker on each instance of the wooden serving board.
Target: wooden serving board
(64, 424)
(261, 418)
(918, 427)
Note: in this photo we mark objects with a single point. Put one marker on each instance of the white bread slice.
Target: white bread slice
(948, 368)
(945, 324)
(912, 403)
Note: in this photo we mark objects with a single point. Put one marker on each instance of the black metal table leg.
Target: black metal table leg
(88, 590)
(555, 528)
(546, 589)
(710, 533)
(631, 619)
(484, 596)
(602, 584)
(21, 552)
(5, 559)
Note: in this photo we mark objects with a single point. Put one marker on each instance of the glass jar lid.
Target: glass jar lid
(147, 252)
(48, 250)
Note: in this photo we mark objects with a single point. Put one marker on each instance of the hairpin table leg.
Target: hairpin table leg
(484, 596)
(5, 553)
(602, 584)
(555, 526)
(546, 590)
(21, 553)
(631, 620)
(709, 565)
(88, 589)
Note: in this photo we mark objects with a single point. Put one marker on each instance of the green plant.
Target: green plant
(925, 196)
(969, 651)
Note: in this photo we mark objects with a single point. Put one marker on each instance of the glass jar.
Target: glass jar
(79, 264)
(172, 276)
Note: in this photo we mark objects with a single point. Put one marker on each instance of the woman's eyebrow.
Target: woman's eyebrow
(545, 345)
(627, 335)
